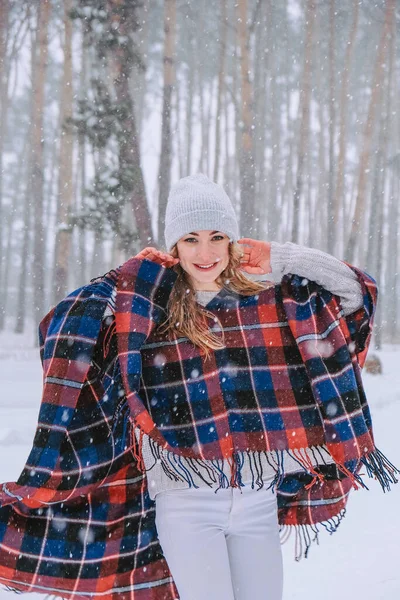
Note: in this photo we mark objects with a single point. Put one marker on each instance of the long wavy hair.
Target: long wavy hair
(187, 318)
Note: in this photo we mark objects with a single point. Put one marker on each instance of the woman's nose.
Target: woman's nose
(205, 253)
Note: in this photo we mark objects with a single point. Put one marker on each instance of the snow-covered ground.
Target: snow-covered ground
(361, 560)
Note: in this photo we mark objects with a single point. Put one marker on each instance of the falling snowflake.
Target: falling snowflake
(86, 536)
(160, 360)
(331, 409)
(320, 348)
(58, 523)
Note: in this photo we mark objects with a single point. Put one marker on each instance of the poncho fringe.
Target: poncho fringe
(178, 468)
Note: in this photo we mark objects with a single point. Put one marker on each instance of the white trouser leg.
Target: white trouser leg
(254, 547)
(221, 546)
(190, 526)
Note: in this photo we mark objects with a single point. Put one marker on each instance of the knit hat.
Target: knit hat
(197, 203)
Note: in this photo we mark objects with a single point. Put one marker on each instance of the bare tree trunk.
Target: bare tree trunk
(392, 279)
(25, 263)
(16, 209)
(332, 212)
(21, 300)
(384, 197)
(138, 78)
(164, 174)
(228, 175)
(392, 273)
(376, 199)
(320, 213)
(305, 99)
(343, 110)
(308, 226)
(201, 93)
(211, 96)
(235, 161)
(37, 173)
(287, 192)
(189, 110)
(82, 233)
(380, 201)
(178, 129)
(273, 208)
(63, 238)
(249, 212)
(4, 11)
(221, 77)
(265, 183)
(369, 130)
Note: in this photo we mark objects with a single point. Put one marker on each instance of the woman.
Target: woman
(190, 414)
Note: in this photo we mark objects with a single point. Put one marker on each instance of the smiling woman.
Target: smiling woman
(204, 256)
(206, 412)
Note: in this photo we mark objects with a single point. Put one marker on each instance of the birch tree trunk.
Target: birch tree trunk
(189, 109)
(82, 233)
(391, 291)
(343, 111)
(36, 150)
(221, 77)
(263, 93)
(164, 174)
(249, 212)
(64, 197)
(305, 99)
(369, 130)
(21, 300)
(4, 11)
(138, 78)
(332, 225)
(273, 208)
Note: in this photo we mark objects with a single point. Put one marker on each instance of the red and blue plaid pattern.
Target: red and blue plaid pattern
(79, 521)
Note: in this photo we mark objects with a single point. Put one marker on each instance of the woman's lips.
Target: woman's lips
(205, 268)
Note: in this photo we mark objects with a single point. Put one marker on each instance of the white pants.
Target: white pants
(221, 546)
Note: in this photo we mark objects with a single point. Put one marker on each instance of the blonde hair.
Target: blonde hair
(187, 318)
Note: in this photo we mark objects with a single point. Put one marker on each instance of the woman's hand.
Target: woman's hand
(256, 256)
(161, 258)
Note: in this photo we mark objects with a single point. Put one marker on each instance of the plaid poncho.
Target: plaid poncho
(79, 522)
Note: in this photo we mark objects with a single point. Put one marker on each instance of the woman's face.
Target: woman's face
(204, 255)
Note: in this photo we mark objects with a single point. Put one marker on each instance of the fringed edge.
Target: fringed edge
(211, 472)
(306, 535)
(379, 467)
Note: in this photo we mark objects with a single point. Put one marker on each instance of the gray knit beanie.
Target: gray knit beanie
(196, 203)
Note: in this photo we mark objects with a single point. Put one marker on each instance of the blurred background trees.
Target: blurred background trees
(291, 105)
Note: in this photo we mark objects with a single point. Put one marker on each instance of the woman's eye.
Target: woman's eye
(216, 238)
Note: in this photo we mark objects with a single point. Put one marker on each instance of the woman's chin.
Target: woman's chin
(205, 279)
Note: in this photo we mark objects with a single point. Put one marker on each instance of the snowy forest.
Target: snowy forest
(290, 105)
